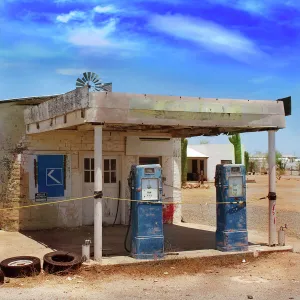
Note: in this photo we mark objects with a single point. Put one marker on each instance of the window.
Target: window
(109, 174)
(226, 162)
(149, 160)
(110, 170)
(89, 170)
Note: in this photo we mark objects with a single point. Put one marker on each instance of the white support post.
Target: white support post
(98, 193)
(272, 189)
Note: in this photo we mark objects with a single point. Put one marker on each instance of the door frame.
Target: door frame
(119, 158)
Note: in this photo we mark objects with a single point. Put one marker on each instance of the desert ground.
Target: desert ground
(200, 207)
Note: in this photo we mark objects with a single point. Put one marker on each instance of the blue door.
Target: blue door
(51, 175)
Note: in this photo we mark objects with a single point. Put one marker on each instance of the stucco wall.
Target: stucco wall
(170, 153)
(216, 153)
(72, 144)
(20, 182)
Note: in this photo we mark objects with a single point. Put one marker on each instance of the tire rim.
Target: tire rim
(21, 262)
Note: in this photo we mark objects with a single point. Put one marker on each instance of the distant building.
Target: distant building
(261, 162)
(205, 158)
(258, 162)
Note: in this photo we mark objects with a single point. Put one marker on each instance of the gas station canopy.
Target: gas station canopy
(177, 116)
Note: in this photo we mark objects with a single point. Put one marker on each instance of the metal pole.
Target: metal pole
(98, 193)
(272, 189)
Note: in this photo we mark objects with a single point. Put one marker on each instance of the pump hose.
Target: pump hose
(117, 204)
(129, 224)
(127, 232)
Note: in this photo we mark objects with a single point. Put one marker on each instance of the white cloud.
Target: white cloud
(250, 6)
(105, 37)
(258, 7)
(261, 80)
(89, 35)
(70, 71)
(73, 15)
(207, 35)
(108, 9)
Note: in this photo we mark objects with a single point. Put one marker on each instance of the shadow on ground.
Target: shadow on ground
(177, 238)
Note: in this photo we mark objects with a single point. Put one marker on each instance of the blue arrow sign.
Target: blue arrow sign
(54, 176)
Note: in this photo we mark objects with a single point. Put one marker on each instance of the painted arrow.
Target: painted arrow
(53, 178)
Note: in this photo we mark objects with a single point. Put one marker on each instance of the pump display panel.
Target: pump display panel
(235, 184)
(150, 189)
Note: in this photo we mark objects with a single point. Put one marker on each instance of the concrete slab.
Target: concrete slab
(16, 244)
(181, 241)
(255, 250)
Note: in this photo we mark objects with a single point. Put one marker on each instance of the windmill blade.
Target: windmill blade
(107, 87)
(96, 81)
(96, 76)
(93, 76)
(80, 81)
(89, 75)
(85, 76)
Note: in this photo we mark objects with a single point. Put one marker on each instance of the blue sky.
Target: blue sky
(244, 49)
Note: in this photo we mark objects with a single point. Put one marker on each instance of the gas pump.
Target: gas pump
(147, 239)
(231, 233)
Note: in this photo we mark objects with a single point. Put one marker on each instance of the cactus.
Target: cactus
(235, 140)
(246, 159)
(184, 143)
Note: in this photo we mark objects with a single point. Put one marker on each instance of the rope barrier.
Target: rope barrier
(124, 199)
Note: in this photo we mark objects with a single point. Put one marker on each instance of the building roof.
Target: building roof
(289, 156)
(193, 153)
(34, 100)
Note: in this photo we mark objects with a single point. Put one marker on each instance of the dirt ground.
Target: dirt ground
(201, 208)
(274, 276)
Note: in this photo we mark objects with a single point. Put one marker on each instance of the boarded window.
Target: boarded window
(226, 162)
(149, 160)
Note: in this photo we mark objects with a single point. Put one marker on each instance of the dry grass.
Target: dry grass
(155, 269)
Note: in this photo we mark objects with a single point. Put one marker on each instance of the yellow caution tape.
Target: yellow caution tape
(120, 199)
(45, 203)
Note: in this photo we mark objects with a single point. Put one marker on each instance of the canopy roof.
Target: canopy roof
(177, 116)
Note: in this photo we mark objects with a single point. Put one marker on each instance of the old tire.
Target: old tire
(1, 277)
(61, 262)
(21, 266)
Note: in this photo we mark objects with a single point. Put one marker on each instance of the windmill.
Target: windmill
(94, 83)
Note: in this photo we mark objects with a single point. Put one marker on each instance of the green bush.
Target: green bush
(184, 166)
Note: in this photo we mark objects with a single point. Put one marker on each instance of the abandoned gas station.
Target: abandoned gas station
(83, 145)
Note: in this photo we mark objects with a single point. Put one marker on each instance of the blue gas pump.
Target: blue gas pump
(147, 239)
(231, 233)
